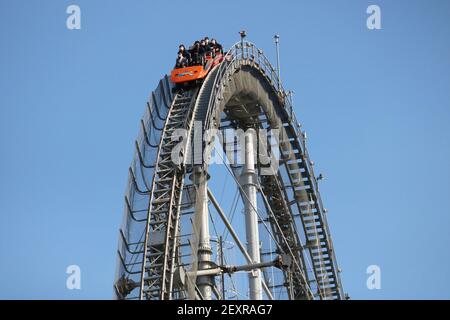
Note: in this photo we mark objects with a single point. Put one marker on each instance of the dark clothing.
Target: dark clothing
(185, 54)
(197, 55)
(181, 62)
(217, 48)
(207, 49)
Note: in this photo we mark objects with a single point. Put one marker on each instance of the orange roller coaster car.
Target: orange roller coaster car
(194, 74)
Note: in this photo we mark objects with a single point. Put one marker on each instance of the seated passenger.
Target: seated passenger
(216, 47)
(207, 42)
(197, 54)
(184, 52)
(206, 48)
(181, 62)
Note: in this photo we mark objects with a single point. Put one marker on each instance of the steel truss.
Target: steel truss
(156, 248)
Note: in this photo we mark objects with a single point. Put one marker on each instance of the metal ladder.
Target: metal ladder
(311, 213)
(163, 215)
(282, 213)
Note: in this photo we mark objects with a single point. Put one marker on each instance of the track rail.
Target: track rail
(147, 263)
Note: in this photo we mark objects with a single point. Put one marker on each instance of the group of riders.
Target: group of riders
(197, 53)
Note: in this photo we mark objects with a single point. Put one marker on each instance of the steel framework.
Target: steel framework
(165, 249)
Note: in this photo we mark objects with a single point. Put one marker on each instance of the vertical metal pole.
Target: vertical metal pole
(204, 283)
(277, 42)
(222, 262)
(248, 182)
(236, 239)
(243, 35)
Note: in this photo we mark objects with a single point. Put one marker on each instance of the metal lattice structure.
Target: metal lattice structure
(165, 249)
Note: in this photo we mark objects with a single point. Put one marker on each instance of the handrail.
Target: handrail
(249, 52)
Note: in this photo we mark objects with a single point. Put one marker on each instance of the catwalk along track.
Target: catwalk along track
(181, 237)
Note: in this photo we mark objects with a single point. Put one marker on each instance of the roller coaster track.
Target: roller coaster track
(155, 245)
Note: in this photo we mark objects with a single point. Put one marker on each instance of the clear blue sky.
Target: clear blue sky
(375, 104)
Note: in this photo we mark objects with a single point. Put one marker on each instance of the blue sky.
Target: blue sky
(375, 105)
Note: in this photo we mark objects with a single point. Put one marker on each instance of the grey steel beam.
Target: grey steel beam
(236, 238)
(249, 186)
(204, 282)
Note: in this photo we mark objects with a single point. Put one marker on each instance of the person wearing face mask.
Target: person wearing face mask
(182, 50)
(216, 47)
(206, 46)
(197, 53)
(181, 62)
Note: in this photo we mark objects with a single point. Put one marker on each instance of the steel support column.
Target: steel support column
(236, 239)
(248, 182)
(205, 282)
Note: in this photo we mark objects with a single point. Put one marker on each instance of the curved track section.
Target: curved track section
(158, 242)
